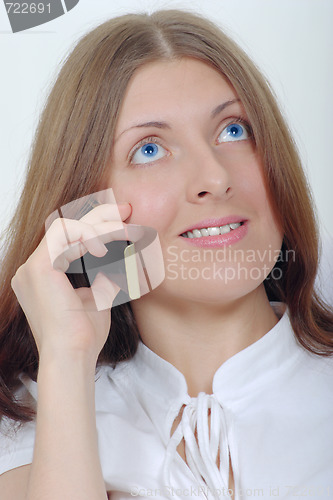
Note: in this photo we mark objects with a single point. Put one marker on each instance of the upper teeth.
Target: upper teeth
(211, 231)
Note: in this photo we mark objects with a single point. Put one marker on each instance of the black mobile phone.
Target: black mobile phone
(118, 265)
(134, 260)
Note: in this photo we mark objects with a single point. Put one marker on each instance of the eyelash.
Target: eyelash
(141, 143)
(155, 140)
(241, 121)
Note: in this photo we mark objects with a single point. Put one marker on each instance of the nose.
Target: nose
(208, 176)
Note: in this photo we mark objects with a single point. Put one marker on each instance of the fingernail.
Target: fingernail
(124, 203)
(102, 247)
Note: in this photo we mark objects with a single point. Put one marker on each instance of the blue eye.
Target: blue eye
(234, 132)
(149, 152)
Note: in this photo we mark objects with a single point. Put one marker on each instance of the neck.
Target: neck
(197, 338)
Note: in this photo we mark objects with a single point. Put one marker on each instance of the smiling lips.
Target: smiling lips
(216, 232)
(212, 231)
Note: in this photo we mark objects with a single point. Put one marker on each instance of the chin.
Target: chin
(210, 291)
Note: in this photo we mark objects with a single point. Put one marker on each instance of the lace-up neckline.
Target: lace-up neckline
(164, 396)
(206, 446)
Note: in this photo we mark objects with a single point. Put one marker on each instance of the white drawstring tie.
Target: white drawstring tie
(201, 456)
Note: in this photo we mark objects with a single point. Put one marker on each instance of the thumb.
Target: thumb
(104, 292)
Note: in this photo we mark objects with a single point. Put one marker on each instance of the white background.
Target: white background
(290, 40)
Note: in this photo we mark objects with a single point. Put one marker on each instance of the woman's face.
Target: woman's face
(184, 159)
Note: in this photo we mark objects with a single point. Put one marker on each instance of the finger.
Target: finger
(69, 239)
(87, 299)
(107, 212)
(116, 232)
(65, 235)
(104, 292)
(65, 232)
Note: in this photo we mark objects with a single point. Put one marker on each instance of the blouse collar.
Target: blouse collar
(234, 376)
(162, 389)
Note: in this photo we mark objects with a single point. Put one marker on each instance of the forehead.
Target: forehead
(166, 86)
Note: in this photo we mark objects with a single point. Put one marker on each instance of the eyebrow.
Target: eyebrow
(163, 125)
(221, 107)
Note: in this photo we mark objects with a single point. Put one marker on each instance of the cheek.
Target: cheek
(252, 190)
(265, 210)
(153, 203)
(266, 232)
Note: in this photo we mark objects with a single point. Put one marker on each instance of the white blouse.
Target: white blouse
(271, 411)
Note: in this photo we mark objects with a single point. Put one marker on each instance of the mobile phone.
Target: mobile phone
(134, 260)
(119, 265)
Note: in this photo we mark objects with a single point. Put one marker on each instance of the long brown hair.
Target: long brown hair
(70, 159)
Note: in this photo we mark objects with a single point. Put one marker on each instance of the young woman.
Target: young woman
(203, 386)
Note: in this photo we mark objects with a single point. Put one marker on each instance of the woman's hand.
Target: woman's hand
(69, 332)
(63, 319)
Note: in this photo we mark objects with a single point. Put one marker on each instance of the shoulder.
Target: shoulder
(16, 444)
(318, 365)
(17, 439)
(313, 378)
(114, 390)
